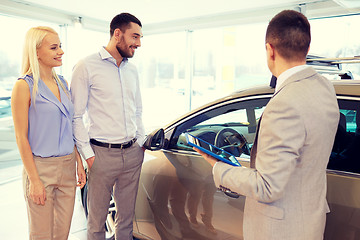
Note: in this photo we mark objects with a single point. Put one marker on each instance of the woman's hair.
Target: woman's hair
(30, 63)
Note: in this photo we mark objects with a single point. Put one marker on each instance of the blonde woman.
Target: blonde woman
(42, 114)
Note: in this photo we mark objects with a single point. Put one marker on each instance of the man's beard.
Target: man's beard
(123, 53)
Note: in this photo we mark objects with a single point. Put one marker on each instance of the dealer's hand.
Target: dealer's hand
(207, 157)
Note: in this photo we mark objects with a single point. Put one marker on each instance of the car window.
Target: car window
(242, 117)
(225, 126)
(345, 155)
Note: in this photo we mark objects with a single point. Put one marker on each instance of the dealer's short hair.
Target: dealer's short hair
(289, 33)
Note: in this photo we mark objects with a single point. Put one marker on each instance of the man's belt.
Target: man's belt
(113, 145)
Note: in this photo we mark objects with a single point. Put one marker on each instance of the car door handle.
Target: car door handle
(231, 194)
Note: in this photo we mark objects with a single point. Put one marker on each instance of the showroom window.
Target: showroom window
(79, 43)
(161, 65)
(337, 37)
(13, 33)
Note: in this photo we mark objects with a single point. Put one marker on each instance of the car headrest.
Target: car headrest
(342, 121)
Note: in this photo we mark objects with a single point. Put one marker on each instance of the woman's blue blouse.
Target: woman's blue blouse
(50, 121)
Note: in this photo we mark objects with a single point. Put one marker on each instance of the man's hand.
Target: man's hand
(207, 157)
(90, 161)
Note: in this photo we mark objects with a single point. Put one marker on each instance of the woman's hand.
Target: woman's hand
(81, 175)
(81, 181)
(37, 192)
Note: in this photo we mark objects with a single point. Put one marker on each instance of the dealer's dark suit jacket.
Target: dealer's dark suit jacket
(286, 188)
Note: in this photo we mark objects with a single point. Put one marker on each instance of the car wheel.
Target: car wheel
(110, 219)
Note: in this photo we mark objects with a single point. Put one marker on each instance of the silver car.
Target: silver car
(177, 198)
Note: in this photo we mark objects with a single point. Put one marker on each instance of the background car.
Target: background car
(5, 103)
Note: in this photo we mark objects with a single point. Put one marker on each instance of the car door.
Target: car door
(343, 221)
(178, 187)
(177, 195)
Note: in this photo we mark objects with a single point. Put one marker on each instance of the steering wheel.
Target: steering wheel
(232, 141)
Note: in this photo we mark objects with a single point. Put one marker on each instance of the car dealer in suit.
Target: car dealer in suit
(285, 186)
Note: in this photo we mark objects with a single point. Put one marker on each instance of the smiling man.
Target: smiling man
(106, 86)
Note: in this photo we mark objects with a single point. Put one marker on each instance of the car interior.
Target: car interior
(217, 127)
(344, 156)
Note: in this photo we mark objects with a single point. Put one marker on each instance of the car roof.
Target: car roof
(342, 87)
(347, 87)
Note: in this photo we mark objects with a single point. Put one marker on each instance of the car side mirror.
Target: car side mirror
(155, 140)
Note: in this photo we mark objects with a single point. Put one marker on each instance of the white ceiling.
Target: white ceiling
(170, 15)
